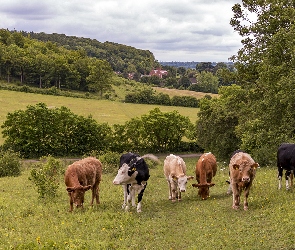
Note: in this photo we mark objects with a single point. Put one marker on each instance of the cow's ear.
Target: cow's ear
(190, 177)
(70, 189)
(255, 165)
(86, 187)
(236, 166)
(211, 184)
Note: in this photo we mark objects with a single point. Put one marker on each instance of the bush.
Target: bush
(46, 176)
(10, 163)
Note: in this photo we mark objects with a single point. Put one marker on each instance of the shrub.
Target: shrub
(10, 163)
(46, 176)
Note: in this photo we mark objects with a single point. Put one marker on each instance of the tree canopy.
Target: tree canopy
(265, 73)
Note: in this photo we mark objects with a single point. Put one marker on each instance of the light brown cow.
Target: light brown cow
(242, 173)
(175, 173)
(205, 170)
(81, 176)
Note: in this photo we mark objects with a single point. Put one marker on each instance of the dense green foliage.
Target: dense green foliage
(46, 176)
(122, 58)
(149, 96)
(40, 131)
(10, 163)
(262, 111)
(45, 64)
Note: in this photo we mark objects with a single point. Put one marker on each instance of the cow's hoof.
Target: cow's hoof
(235, 207)
(173, 200)
(179, 200)
(245, 208)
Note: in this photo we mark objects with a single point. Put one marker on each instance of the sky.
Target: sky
(183, 30)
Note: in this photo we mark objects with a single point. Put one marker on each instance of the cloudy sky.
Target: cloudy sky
(182, 30)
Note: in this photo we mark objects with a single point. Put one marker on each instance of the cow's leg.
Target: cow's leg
(291, 177)
(140, 195)
(95, 194)
(280, 174)
(125, 190)
(236, 196)
(169, 190)
(178, 194)
(71, 202)
(287, 177)
(246, 198)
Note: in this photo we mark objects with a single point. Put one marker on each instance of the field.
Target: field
(30, 223)
(112, 112)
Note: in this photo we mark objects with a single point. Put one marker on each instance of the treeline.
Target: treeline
(122, 58)
(45, 64)
(149, 96)
(42, 131)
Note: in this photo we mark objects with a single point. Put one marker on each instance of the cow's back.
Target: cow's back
(206, 166)
(87, 171)
(174, 165)
(244, 160)
(286, 156)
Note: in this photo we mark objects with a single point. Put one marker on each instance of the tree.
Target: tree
(99, 79)
(265, 67)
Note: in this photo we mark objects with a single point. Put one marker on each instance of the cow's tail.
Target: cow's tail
(152, 157)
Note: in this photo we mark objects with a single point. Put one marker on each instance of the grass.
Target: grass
(112, 112)
(29, 223)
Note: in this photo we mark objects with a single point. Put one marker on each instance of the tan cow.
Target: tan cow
(175, 173)
(205, 170)
(242, 173)
(81, 176)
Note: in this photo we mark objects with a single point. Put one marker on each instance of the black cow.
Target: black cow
(133, 174)
(286, 161)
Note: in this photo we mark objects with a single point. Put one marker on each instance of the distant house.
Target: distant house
(158, 72)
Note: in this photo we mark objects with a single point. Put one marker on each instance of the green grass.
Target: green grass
(112, 112)
(28, 223)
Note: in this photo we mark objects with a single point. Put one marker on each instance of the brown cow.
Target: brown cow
(242, 173)
(205, 170)
(81, 176)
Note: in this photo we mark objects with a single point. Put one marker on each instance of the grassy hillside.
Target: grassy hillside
(112, 112)
(28, 223)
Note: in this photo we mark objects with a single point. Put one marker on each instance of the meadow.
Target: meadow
(111, 112)
(30, 223)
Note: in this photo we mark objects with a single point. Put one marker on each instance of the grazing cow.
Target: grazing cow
(205, 170)
(242, 173)
(133, 174)
(286, 160)
(81, 176)
(175, 173)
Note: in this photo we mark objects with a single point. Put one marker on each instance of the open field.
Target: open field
(28, 223)
(112, 112)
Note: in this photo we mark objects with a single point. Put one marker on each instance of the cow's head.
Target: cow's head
(77, 194)
(203, 189)
(181, 181)
(126, 175)
(247, 171)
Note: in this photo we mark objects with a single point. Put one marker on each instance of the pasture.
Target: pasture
(111, 112)
(30, 223)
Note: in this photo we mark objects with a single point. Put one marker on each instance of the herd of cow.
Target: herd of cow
(133, 175)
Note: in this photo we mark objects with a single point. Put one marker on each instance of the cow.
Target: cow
(175, 173)
(286, 161)
(229, 190)
(133, 175)
(242, 173)
(206, 168)
(81, 176)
